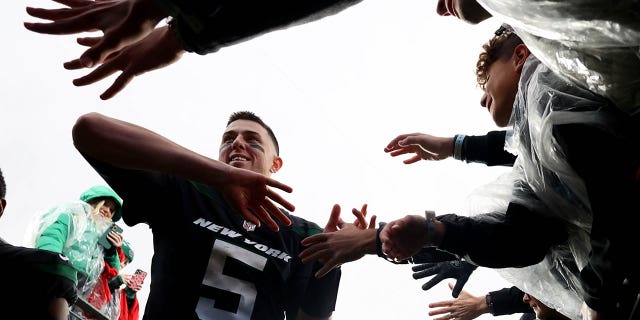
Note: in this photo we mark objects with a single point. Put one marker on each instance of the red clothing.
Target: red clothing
(127, 312)
(100, 294)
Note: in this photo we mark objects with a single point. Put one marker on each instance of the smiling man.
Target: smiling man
(212, 258)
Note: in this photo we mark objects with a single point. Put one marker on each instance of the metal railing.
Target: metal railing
(89, 309)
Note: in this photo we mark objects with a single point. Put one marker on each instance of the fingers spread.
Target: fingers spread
(67, 26)
(277, 213)
(88, 41)
(121, 81)
(279, 199)
(98, 74)
(279, 185)
(431, 283)
(372, 222)
(361, 222)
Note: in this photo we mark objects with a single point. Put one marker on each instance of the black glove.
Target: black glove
(433, 254)
(457, 269)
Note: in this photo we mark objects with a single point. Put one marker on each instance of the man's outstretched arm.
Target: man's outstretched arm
(129, 146)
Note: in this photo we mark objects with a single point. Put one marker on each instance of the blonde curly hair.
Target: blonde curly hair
(500, 47)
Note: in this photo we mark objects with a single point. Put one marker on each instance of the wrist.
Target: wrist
(434, 230)
(488, 304)
(458, 141)
(154, 10)
(173, 43)
(378, 242)
(369, 241)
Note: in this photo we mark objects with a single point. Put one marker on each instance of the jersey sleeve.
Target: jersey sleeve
(320, 297)
(145, 194)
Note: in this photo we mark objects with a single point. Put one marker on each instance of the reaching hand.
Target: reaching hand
(426, 147)
(340, 242)
(403, 238)
(464, 307)
(336, 223)
(157, 50)
(457, 269)
(249, 194)
(123, 22)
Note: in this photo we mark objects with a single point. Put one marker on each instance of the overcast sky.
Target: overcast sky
(335, 91)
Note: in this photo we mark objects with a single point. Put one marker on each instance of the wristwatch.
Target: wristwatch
(489, 302)
(431, 227)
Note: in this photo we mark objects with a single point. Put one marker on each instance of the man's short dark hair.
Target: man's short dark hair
(3, 186)
(250, 116)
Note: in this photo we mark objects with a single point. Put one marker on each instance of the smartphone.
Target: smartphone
(104, 241)
(137, 278)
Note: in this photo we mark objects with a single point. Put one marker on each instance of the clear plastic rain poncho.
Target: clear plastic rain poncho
(81, 245)
(595, 43)
(543, 181)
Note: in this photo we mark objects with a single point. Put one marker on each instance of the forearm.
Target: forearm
(493, 240)
(487, 149)
(129, 146)
(207, 26)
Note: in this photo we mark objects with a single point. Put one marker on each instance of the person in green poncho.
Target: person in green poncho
(74, 229)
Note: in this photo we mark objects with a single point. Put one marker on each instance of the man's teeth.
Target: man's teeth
(238, 159)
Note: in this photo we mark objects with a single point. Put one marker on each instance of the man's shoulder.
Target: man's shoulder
(301, 226)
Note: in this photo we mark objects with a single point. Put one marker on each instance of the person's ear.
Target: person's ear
(3, 204)
(276, 165)
(520, 55)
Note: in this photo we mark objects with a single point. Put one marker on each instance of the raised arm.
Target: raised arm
(131, 43)
(129, 146)
(487, 149)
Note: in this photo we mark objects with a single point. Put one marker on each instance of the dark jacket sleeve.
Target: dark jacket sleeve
(36, 276)
(495, 240)
(487, 149)
(509, 301)
(609, 168)
(206, 26)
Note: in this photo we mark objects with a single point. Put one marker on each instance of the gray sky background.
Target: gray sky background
(336, 91)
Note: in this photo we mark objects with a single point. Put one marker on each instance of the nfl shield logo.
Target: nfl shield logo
(249, 226)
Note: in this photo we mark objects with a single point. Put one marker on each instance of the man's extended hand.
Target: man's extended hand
(249, 193)
(340, 242)
(157, 50)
